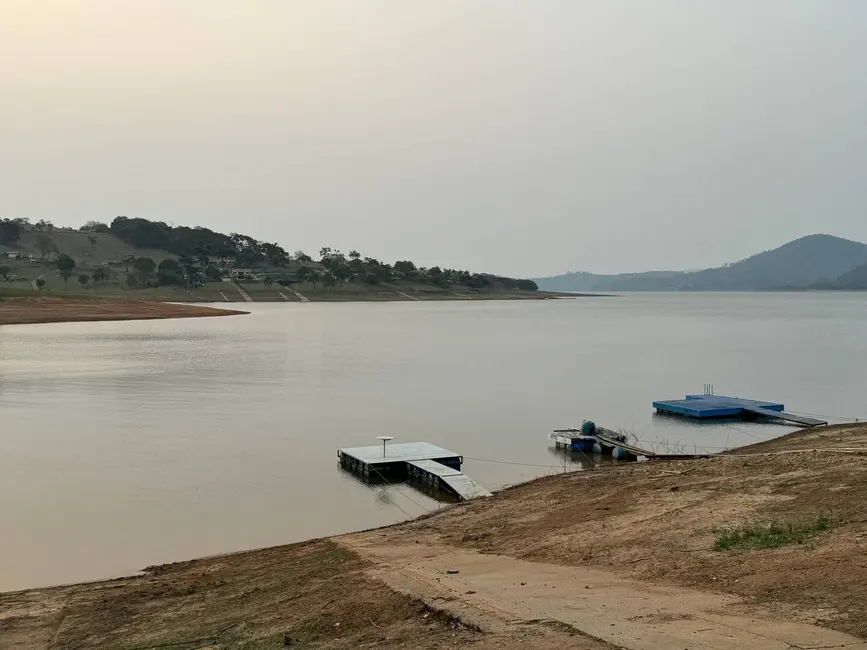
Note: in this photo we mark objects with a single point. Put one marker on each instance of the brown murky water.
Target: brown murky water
(128, 444)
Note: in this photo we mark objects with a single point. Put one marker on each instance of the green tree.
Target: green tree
(213, 273)
(65, 263)
(65, 274)
(435, 275)
(342, 272)
(40, 283)
(527, 285)
(354, 255)
(45, 245)
(83, 279)
(406, 268)
(203, 255)
(303, 273)
(169, 279)
(169, 265)
(4, 271)
(357, 266)
(95, 226)
(144, 267)
(100, 275)
(10, 231)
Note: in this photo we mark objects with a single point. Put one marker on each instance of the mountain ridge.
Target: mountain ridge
(812, 261)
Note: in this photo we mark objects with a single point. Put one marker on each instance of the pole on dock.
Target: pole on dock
(384, 439)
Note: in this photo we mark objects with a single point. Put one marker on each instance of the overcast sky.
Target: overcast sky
(525, 137)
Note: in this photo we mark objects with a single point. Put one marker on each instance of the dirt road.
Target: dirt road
(495, 592)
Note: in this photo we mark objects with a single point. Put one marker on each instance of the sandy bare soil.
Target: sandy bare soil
(619, 557)
(16, 311)
(312, 595)
(839, 436)
(495, 591)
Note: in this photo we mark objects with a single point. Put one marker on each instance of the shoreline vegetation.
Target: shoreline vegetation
(635, 555)
(138, 258)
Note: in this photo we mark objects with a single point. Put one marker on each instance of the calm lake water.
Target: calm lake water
(129, 444)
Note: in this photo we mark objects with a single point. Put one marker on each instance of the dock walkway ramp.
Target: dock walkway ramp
(447, 478)
(782, 415)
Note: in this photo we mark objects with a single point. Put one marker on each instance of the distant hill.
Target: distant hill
(805, 262)
(854, 280)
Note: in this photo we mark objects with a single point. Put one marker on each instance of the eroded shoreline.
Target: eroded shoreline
(37, 310)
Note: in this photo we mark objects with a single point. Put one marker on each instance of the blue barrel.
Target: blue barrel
(619, 453)
(585, 444)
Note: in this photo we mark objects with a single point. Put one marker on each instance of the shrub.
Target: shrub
(769, 534)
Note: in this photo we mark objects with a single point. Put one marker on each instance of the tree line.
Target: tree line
(205, 255)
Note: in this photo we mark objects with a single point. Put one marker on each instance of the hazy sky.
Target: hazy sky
(514, 136)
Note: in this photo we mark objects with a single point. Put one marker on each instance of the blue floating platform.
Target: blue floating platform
(709, 407)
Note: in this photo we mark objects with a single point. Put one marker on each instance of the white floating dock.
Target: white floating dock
(419, 460)
(401, 453)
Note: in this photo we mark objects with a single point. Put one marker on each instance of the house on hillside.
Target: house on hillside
(242, 274)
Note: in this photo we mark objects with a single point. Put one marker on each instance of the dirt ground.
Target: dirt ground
(841, 436)
(311, 595)
(16, 311)
(619, 557)
(656, 522)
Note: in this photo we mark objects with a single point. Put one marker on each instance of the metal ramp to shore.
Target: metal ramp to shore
(608, 442)
(446, 478)
(785, 417)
